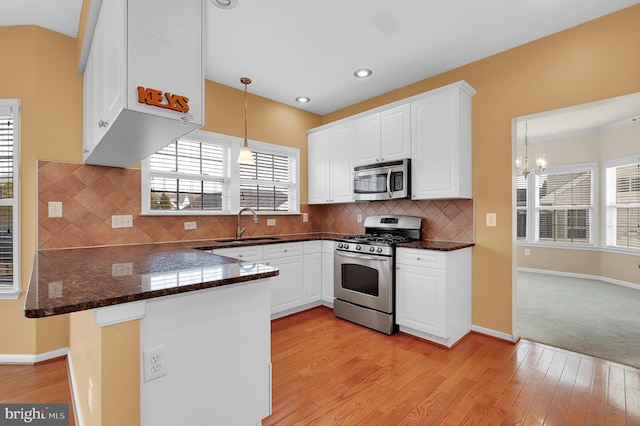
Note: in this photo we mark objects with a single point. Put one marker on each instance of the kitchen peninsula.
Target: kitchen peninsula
(206, 319)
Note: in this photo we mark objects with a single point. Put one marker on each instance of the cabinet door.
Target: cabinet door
(312, 277)
(441, 145)
(341, 176)
(395, 129)
(319, 161)
(327, 271)
(286, 288)
(421, 299)
(163, 57)
(115, 47)
(367, 140)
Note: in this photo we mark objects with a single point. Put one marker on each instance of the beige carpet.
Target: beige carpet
(586, 316)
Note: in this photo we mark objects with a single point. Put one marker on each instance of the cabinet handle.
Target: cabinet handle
(267, 263)
(102, 123)
(418, 258)
(397, 268)
(286, 250)
(240, 255)
(85, 150)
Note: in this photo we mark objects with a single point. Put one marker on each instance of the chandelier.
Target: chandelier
(522, 163)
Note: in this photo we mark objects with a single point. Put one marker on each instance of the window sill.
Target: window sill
(215, 213)
(9, 295)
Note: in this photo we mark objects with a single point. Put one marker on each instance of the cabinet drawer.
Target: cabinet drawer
(311, 247)
(272, 251)
(418, 257)
(248, 253)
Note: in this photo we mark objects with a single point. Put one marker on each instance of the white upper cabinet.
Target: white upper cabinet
(383, 136)
(144, 80)
(441, 143)
(331, 164)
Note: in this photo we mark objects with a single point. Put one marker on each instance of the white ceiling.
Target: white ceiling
(293, 48)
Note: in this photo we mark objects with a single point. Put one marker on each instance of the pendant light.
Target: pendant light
(246, 156)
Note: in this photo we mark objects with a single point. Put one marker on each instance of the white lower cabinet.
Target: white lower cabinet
(306, 272)
(327, 273)
(312, 284)
(433, 293)
(286, 288)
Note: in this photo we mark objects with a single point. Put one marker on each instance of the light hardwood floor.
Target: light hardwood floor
(327, 371)
(43, 383)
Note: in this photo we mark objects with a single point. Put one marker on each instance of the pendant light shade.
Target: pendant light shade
(246, 156)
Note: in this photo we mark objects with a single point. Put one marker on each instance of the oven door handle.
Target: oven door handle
(389, 183)
(359, 256)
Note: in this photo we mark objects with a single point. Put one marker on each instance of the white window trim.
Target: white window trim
(14, 291)
(605, 204)
(234, 143)
(533, 208)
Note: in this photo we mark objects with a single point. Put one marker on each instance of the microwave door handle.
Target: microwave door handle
(389, 183)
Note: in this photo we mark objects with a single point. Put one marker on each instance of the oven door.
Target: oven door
(364, 280)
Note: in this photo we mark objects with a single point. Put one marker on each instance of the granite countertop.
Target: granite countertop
(76, 279)
(71, 280)
(436, 245)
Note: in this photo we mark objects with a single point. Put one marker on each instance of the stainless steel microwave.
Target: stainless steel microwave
(382, 181)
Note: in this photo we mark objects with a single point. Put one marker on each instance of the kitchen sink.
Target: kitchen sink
(247, 239)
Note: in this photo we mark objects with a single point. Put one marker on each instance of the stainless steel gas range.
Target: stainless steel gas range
(364, 265)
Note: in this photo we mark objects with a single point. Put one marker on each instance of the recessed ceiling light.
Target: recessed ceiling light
(362, 73)
(225, 4)
(303, 99)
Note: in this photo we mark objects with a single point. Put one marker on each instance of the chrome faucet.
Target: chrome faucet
(240, 230)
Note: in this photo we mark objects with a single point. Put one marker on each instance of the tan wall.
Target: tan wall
(583, 64)
(43, 76)
(614, 265)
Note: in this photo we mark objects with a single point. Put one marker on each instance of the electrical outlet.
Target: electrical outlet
(121, 221)
(55, 289)
(305, 217)
(121, 269)
(155, 362)
(55, 208)
(527, 252)
(189, 225)
(271, 222)
(359, 217)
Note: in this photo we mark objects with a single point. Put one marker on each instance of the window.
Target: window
(564, 206)
(622, 193)
(9, 203)
(270, 184)
(192, 175)
(521, 207)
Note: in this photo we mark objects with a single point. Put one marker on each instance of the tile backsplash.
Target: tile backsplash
(90, 195)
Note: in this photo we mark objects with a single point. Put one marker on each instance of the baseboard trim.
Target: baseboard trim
(74, 393)
(583, 276)
(32, 359)
(493, 333)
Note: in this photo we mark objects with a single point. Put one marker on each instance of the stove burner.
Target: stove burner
(385, 239)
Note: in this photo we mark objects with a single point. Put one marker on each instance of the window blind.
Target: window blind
(521, 207)
(6, 201)
(623, 205)
(187, 175)
(267, 185)
(564, 206)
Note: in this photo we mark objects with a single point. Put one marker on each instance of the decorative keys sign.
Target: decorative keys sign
(156, 98)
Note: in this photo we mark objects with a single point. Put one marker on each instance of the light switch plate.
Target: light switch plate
(491, 219)
(190, 225)
(305, 217)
